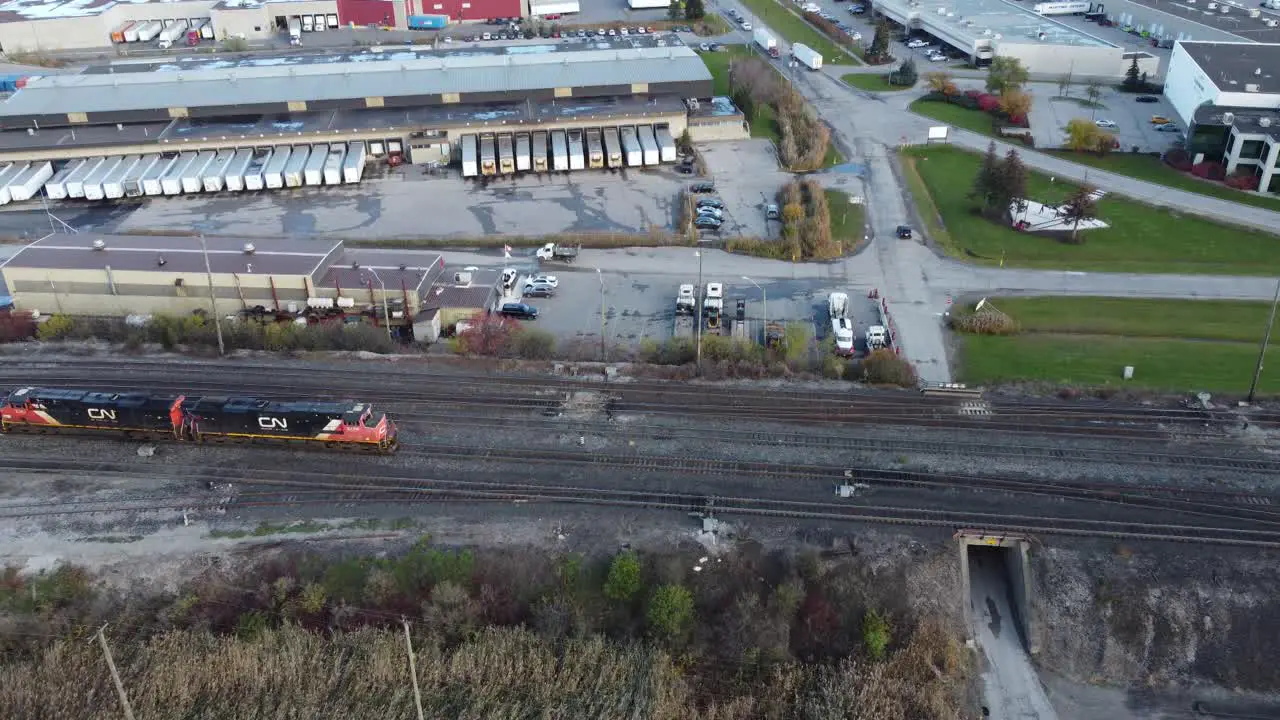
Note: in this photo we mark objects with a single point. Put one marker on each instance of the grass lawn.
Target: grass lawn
(872, 82)
(763, 123)
(961, 117)
(1141, 238)
(1174, 345)
(1151, 169)
(792, 27)
(847, 219)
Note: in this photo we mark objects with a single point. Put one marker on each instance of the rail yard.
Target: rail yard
(800, 455)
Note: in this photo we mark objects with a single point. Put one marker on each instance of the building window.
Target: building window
(1251, 149)
(466, 6)
(438, 6)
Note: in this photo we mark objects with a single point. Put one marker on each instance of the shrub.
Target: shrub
(1210, 170)
(623, 581)
(670, 611)
(534, 344)
(1178, 159)
(57, 327)
(1243, 181)
(985, 322)
(987, 102)
(875, 634)
(885, 367)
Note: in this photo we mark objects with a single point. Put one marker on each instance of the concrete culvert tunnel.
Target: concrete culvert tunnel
(998, 590)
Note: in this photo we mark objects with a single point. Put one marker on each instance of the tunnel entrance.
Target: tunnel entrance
(997, 584)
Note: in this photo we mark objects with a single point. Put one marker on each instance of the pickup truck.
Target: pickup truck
(552, 251)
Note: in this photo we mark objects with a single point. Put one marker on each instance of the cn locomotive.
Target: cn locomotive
(347, 425)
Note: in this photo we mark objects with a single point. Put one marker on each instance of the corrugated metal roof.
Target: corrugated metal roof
(422, 76)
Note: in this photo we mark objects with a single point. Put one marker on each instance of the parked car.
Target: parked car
(544, 291)
(1168, 127)
(702, 188)
(521, 311)
(771, 212)
(1102, 123)
(1160, 120)
(716, 213)
(704, 47)
(858, 9)
(937, 57)
(706, 222)
(711, 203)
(917, 43)
(544, 278)
(1147, 99)
(746, 26)
(903, 232)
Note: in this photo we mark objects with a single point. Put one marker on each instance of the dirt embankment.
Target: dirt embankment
(1159, 616)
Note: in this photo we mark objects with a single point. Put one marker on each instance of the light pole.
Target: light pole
(1266, 339)
(386, 316)
(764, 294)
(604, 357)
(213, 303)
(697, 297)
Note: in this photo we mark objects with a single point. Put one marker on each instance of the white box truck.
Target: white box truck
(56, 188)
(93, 181)
(131, 32)
(215, 173)
(333, 164)
(253, 175)
(233, 177)
(171, 34)
(151, 180)
(353, 165)
(470, 165)
(523, 161)
(648, 144)
(273, 171)
(206, 30)
(631, 147)
(171, 180)
(75, 183)
(806, 56)
(113, 184)
(29, 183)
(295, 172)
(148, 32)
(295, 32)
(8, 173)
(313, 173)
(766, 41)
(131, 183)
(577, 155)
(538, 152)
(193, 176)
(559, 151)
(666, 144)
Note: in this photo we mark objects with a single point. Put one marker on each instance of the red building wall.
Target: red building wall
(477, 10)
(366, 12)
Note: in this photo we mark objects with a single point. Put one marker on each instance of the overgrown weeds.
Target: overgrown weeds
(803, 139)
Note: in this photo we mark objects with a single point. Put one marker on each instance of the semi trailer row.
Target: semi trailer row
(489, 154)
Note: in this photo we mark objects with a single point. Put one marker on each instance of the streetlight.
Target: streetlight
(765, 295)
(604, 357)
(697, 294)
(213, 303)
(1266, 339)
(386, 316)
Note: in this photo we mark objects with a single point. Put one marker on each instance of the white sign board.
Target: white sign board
(938, 133)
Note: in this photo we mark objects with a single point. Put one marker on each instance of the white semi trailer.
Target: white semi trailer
(470, 164)
(254, 174)
(56, 188)
(113, 184)
(353, 165)
(313, 173)
(295, 171)
(151, 180)
(233, 177)
(273, 171)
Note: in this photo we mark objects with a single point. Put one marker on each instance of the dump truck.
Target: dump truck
(841, 325)
(552, 251)
(766, 42)
(595, 149)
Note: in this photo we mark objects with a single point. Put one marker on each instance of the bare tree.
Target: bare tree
(1081, 206)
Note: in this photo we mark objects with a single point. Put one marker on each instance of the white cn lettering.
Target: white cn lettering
(100, 414)
(270, 423)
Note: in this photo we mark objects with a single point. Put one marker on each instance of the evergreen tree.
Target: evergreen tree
(1011, 184)
(880, 43)
(905, 75)
(984, 185)
(1132, 77)
(694, 10)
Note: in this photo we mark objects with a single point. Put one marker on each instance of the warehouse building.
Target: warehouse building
(50, 25)
(1228, 94)
(984, 29)
(416, 105)
(120, 276)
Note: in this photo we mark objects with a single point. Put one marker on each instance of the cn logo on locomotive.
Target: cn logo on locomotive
(270, 423)
(101, 414)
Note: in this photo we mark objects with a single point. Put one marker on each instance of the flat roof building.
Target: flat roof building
(1224, 74)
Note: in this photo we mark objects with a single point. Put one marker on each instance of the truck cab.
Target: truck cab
(877, 337)
(686, 303)
(842, 331)
(713, 305)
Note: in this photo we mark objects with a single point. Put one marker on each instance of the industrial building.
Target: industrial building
(1228, 94)
(243, 120)
(984, 29)
(301, 281)
(49, 25)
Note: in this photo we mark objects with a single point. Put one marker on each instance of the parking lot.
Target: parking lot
(1133, 127)
(747, 179)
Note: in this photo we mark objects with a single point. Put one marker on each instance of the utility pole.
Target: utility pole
(604, 356)
(698, 298)
(386, 315)
(1266, 340)
(213, 302)
(111, 665)
(413, 669)
(764, 295)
